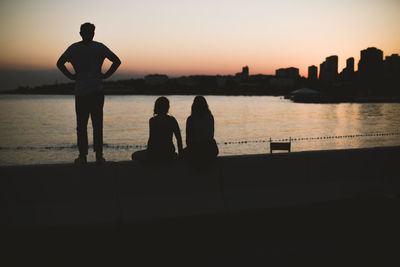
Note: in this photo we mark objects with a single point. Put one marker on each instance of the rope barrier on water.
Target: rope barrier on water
(309, 138)
(292, 139)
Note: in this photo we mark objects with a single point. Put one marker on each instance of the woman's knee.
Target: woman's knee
(139, 155)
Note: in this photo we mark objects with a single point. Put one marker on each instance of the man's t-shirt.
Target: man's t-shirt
(87, 60)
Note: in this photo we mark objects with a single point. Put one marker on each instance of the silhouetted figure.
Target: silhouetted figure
(201, 146)
(160, 147)
(87, 57)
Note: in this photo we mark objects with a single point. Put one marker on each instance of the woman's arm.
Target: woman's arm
(189, 131)
(151, 126)
(178, 136)
(212, 126)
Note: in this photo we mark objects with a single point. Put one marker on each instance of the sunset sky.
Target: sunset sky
(181, 37)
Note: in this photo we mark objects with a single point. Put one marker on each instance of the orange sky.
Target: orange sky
(200, 37)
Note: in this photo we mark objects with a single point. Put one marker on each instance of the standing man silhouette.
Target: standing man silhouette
(87, 57)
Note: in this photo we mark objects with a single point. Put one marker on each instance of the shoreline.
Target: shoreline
(127, 161)
(334, 100)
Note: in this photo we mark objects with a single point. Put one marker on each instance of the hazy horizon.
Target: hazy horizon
(194, 37)
(14, 78)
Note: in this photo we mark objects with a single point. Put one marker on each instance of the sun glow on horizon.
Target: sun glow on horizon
(209, 37)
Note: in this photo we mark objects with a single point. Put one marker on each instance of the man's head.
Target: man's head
(87, 31)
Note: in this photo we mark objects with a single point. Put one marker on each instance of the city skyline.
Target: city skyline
(179, 38)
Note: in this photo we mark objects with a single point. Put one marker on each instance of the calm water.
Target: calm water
(41, 129)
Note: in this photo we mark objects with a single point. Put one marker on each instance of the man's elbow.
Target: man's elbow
(117, 62)
(59, 63)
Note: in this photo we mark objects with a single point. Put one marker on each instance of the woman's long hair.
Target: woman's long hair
(161, 106)
(200, 107)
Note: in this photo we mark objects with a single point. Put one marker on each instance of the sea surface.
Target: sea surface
(40, 129)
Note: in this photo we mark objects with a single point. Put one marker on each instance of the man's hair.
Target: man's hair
(87, 27)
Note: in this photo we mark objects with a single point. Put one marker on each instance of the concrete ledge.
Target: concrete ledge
(128, 192)
(154, 192)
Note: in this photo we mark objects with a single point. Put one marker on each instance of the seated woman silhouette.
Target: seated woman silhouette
(200, 142)
(160, 147)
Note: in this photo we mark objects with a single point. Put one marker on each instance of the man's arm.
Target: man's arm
(61, 66)
(114, 66)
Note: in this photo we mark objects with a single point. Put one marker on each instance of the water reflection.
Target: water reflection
(41, 121)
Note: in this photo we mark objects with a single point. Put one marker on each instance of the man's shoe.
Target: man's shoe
(100, 160)
(81, 160)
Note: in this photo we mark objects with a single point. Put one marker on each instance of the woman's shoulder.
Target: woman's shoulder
(172, 121)
(171, 118)
(157, 119)
(205, 117)
(160, 117)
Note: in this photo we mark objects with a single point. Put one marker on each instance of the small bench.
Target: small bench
(280, 145)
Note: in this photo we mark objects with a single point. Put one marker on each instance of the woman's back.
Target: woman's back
(161, 130)
(201, 145)
(200, 129)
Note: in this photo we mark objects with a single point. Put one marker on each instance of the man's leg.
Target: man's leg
(82, 117)
(96, 113)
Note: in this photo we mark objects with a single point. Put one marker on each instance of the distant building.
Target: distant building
(242, 76)
(322, 71)
(392, 66)
(312, 72)
(370, 65)
(392, 74)
(332, 68)
(347, 73)
(350, 64)
(156, 79)
(329, 69)
(393, 57)
(221, 81)
(285, 79)
(185, 81)
(282, 83)
(245, 71)
(287, 73)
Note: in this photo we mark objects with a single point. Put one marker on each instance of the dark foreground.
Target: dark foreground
(321, 208)
(356, 232)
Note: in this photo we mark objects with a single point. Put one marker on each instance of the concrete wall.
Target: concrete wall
(129, 192)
